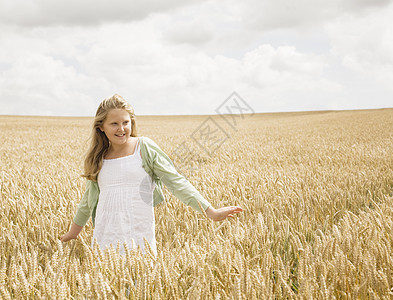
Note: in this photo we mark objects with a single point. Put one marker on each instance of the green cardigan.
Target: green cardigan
(159, 166)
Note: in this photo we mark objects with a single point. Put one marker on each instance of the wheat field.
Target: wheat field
(316, 189)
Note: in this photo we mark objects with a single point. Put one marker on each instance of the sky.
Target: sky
(62, 58)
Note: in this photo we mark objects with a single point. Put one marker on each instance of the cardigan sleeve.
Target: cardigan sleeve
(83, 212)
(179, 186)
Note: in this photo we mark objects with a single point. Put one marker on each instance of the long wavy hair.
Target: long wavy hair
(100, 144)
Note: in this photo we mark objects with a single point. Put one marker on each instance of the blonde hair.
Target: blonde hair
(99, 144)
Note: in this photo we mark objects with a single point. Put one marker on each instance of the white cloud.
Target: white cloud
(85, 65)
(36, 83)
(194, 32)
(87, 12)
(188, 60)
(283, 67)
(365, 44)
(300, 14)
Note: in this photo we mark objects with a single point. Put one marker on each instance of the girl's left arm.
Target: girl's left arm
(184, 190)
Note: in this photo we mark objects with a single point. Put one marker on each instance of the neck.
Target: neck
(120, 148)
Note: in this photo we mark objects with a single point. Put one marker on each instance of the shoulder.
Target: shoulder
(148, 142)
(151, 149)
(91, 184)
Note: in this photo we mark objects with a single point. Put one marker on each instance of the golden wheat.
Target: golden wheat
(317, 189)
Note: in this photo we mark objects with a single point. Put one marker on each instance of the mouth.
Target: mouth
(120, 135)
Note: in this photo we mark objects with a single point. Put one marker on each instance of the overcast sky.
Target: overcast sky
(186, 57)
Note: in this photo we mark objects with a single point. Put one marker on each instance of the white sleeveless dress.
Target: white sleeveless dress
(125, 210)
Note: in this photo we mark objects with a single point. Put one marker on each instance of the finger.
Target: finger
(237, 210)
(236, 207)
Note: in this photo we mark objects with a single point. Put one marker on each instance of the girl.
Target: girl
(124, 175)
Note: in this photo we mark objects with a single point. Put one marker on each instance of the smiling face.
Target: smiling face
(117, 126)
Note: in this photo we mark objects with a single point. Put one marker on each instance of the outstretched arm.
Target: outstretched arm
(162, 168)
(72, 234)
(222, 213)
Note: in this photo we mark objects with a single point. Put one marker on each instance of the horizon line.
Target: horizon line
(201, 115)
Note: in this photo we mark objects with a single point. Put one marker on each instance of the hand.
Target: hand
(72, 234)
(67, 237)
(222, 213)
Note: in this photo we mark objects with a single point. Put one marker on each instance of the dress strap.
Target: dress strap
(137, 146)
